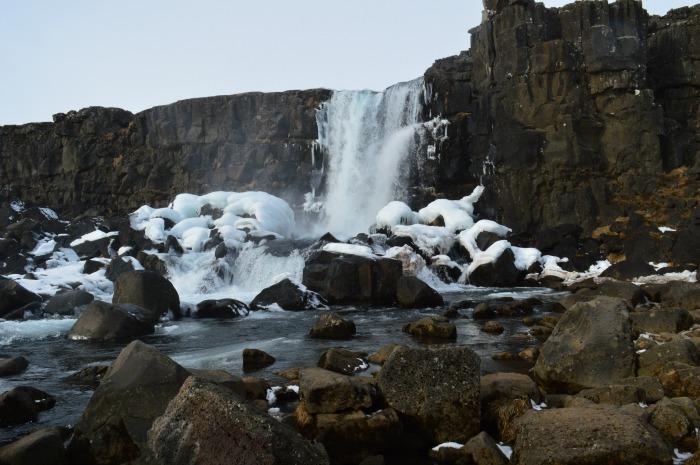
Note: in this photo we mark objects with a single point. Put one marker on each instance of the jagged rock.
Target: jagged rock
(286, 294)
(93, 265)
(483, 450)
(661, 320)
(66, 303)
(106, 322)
(153, 263)
(436, 389)
(351, 278)
(342, 361)
(504, 398)
(412, 292)
(13, 296)
(652, 387)
(591, 346)
(565, 435)
(10, 366)
(323, 391)
(223, 308)
(380, 356)
(44, 446)
(117, 267)
(332, 326)
(676, 294)
(90, 376)
(148, 290)
(432, 327)
(135, 391)
(206, 423)
(254, 359)
(670, 420)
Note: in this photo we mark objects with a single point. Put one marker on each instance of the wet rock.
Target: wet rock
(206, 423)
(343, 361)
(432, 328)
(353, 437)
(118, 266)
(412, 292)
(10, 366)
(437, 390)
(504, 398)
(653, 360)
(628, 270)
(324, 391)
(222, 308)
(105, 322)
(66, 303)
(153, 263)
(380, 356)
(44, 446)
(172, 245)
(254, 359)
(332, 326)
(505, 308)
(564, 436)
(148, 290)
(529, 354)
(92, 249)
(352, 279)
(286, 294)
(13, 296)
(492, 327)
(23, 404)
(254, 388)
(499, 273)
(90, 376)
(93, 265)
(135, 391)
(591, 346)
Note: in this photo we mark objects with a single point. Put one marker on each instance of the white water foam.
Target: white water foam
(365, 137)
(12, 332)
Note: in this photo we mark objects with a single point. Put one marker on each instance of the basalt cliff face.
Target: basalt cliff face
(576, 115)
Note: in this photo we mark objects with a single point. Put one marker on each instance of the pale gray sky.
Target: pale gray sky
(57, 56)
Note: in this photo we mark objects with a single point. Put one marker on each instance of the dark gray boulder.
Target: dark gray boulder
(286, 294)
(106, 322)
(135, 391)
(628, 270)
(66, 303)
(10, 366)
(13, 296)
(42, 447)
(222, 308)
(117, 267)
(499, 273)
(412, 292)
(148, 290)
(209, 424)
(344, 361)
(436, 390)
(332, 326)
(23, 404)
(255, 359)
(590, 346)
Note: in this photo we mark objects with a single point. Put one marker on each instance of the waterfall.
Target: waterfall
(366, 138)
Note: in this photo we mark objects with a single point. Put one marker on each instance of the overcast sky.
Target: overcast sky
(57, 56)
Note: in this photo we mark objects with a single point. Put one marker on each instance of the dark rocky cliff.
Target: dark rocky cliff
(576, 115)
(107, 160)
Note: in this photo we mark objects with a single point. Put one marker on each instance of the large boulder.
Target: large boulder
(221, 308)
(42, 447)
(436, 390)
(501, 272)
(654, 360)
(66, 303)
(209, 424)
(591, 346)
(106, 322)
(135, 391)
(323, 391)
(332, 326)
(13, 296)
(148, 290)
(286, 294)
(341, 278)
(342, 361)
(582, 436)
(23, 404)
(412, 292)
(255, 359)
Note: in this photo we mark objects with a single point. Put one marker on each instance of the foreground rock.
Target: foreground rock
(332, 326)
(10, 366)
(412, 292)
(566, 437)
(135, 391)
(106, 322)
(432, 328)
(323, 391)
(148, 290)
(209, 424)
(288, 295)
(436, 389)
(42, 447)
(504, 398)
(591, 346)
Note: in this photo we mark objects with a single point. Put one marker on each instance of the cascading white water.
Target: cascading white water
(366, 136)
